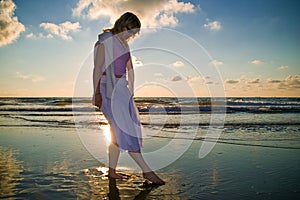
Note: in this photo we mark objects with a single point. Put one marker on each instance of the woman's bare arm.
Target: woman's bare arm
(130, 73)
(99, 56)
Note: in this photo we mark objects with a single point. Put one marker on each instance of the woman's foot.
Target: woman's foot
(116, 176)
(112, 174)
(151, 176)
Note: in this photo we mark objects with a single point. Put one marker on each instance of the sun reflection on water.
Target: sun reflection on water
(10, 170)
(103, 170)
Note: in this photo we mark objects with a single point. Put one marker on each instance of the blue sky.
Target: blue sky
(253, 46)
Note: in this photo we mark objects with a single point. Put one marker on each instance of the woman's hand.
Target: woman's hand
(97, 72)
(97, 100)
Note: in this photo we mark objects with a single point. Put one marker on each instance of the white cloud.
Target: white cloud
(213, 26)
(243, 86)
(62, 30)
(178, 64)
(290, 82)
(48, 36)
(244, 81)
(273, 81)
(30, 35)
(168, 20)
(176, 78)
(40, 35)
(231, 81)
(10, 27)
(216, 63)
(282, 67)
(257, 62)
(209, 82)
(31, 77)
(254, 81)
(194, 78)
(152, 13)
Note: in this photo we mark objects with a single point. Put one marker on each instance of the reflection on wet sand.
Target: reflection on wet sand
(10, 169)
(132, 188)
(215, 173)
(58, 181)
(114, 193)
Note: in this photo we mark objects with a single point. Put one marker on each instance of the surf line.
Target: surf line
(225, 142)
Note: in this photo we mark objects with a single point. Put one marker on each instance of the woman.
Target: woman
(113, 93)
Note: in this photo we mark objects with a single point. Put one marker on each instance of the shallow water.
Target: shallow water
(255, 156)
(70, 172)
(52, 163)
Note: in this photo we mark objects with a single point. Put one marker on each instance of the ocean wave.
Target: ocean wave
(237, 124)
(163, 105)
(232, 142)
(92, 121)
(48, 109)
(174, 110)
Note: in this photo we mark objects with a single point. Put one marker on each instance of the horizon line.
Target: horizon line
(155, 97)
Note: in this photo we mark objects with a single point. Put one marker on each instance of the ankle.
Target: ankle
(111, 170)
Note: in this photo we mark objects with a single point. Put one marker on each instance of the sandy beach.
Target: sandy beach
(49, 163)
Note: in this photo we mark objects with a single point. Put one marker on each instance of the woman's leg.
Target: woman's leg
(147, 172)
(113, 157)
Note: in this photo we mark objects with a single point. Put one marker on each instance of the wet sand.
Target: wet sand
(52, 163)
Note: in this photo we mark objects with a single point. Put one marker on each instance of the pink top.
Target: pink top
(121, 55)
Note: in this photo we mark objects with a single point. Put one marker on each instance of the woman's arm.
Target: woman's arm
(130, 73)
(97, 73)
(98, 62)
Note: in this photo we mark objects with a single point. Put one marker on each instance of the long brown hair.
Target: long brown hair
(126, 20)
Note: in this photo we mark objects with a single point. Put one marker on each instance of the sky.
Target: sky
(185, 48)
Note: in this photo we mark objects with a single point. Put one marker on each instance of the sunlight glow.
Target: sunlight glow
(103, 170)
(107, 134)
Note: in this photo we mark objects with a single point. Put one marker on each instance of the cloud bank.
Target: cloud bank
(10, 27)
(290, 82)
(31, 77)
(61, 30)
(153, 13)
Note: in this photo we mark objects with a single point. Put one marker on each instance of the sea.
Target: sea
(255, 156)
(243, 121)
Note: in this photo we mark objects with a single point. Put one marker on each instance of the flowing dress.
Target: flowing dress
(119, 109)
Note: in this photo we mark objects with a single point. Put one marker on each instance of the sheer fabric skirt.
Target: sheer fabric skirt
(122, 115)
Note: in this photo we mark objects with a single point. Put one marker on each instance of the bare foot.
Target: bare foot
(116, 176)
(151, 176)
(112, 173)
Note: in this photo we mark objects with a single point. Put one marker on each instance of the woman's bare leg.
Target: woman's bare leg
(113, 157)
(147, 172)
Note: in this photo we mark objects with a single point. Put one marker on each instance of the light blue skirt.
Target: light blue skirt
(122, 115)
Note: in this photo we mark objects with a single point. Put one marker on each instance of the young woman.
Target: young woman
(113, 93)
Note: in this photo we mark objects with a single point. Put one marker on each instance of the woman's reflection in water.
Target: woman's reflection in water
(114, 193)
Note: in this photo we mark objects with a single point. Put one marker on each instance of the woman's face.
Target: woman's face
(128, 32)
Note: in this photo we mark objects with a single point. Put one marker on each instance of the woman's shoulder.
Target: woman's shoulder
(103, 36)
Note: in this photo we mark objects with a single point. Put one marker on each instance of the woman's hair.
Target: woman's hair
(128, 19)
